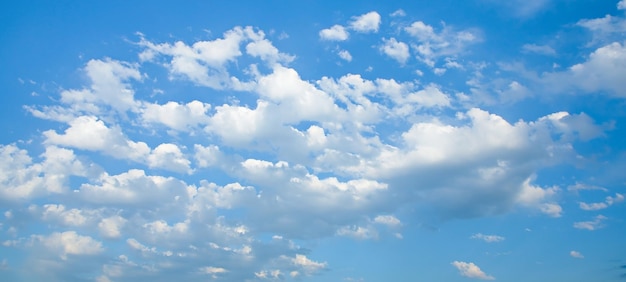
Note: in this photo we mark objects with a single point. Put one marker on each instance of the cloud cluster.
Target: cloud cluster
(131, 188)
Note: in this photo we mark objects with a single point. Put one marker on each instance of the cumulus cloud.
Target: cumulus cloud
(336, 156)
(334, 33)
(369, 22)
(345, 55)
(470, 270)
(396, 50)
(24, 179)
(180, 117)
(601, 72)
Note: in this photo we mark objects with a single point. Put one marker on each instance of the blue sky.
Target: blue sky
(313, 141)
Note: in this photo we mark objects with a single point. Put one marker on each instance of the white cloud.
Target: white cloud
(539, 49)
(133, 188)
(609, 201)
(168, 156)
(22, 179)
(267, 52)
(621, 5)
(397, 50)
(71, 217)
(68, 243)
(109, 86)
(368, 22)
(388, 220)
(581, 187)
(576, 254)
(398, 13)
(469, 269)
(90, 133)
(358, 232)
(594, 224)
(307, 265)
(432, 45)
(345, 55)
(334, 33)
(488, 238)
(204, 62)
(601, 72)
(110, 227)
(180, 117)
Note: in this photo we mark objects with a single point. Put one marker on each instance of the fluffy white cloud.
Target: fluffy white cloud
(369, 22)
(180, 117)
(345, 55)
(67, 243)
(205, 62)
(601, 72)
(91, 133)
(168, 156)
(109, 86)
(334, 33)
(308, 266)
(111, 227)
(487, 238)
(621, 5)
(395, 49)
(23, 179)
(469, 269)
(133, 188)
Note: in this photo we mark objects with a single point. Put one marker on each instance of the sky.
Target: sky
(313, 140)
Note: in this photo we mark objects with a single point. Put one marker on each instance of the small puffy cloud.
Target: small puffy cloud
(345, 55)
(487, 238)
(396, 50)
(334, 33)
(621, 5)
(576, 254)
(366, 23)
(469, 269)
(594, 224)
(538, 49)
(307, 265)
